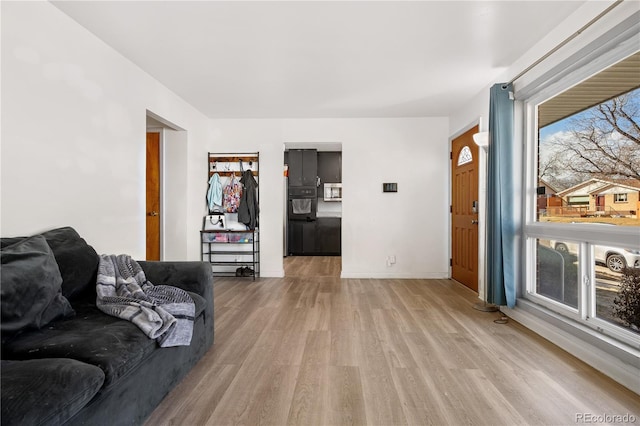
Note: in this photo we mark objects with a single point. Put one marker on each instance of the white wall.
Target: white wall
(73, 133)
(174, 195)
(243, 136)
(411, 224)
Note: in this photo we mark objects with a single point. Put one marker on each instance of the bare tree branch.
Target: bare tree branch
(604, 141)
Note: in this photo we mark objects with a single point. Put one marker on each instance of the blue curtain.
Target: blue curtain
(501, 188)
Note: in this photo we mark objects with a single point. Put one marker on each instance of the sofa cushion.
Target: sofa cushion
(77, 260)
(113, 344)
(30, 286)
(46, 391)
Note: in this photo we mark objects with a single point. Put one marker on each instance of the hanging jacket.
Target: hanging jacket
(248, 209)
(214, 194)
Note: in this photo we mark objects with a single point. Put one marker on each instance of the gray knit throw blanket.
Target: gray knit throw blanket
(162, 312)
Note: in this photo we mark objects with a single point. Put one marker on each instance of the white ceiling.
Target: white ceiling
(239, 59)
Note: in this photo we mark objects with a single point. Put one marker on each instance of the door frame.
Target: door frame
(173, 152)
(337, 146)
(482, 203)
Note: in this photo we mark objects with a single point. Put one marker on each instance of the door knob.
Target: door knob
(153, 213)
(474, 222)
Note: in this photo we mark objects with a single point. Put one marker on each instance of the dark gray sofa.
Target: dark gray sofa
(73, 364)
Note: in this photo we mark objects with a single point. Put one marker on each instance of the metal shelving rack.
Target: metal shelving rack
(230, 251)
(222, 249)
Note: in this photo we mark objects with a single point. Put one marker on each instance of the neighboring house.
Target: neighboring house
(546, 196)
(599, 197)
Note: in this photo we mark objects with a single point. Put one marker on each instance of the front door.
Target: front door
(153, 196)
(600, 203)
(464, 209)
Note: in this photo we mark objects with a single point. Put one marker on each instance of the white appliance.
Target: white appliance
(332, 192)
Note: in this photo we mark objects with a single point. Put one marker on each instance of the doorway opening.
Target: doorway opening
(313, 209)
(165, 180)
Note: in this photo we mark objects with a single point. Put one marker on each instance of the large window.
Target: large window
(583, 227)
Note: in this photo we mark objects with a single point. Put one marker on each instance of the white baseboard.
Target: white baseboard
(272, 274)
(627, 374)
(395, 275)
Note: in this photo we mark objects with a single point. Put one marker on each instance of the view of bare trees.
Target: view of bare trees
(601, 142)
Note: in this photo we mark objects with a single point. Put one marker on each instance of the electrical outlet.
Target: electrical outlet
(391, 260)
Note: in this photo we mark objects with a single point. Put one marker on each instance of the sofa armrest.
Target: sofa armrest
(195, 277)
(192, 276)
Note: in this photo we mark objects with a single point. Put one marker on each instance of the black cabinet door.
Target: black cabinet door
(328, 236)
(330, 167)
(303, 167)
(308, 237)
(309, 167)
(294, 238)
(301, 237)
(295, 167)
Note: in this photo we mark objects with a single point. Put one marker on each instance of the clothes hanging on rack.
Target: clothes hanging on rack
(248, 209)
(232, 193)
(214, 194)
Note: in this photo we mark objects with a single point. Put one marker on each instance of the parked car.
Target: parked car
(615, 258)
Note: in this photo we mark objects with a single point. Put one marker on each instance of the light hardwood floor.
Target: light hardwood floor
(312, 266)
(320, 350)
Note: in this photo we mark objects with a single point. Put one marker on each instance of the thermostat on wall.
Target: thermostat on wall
(390, 187)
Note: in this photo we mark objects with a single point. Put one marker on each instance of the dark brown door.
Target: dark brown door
(153, 196)
(464, 209)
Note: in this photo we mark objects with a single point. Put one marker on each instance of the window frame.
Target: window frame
(582, 234)
(617, 200)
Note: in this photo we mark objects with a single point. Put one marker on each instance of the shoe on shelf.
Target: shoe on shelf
(247, 272)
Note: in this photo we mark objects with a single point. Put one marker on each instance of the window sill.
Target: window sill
(615, 359)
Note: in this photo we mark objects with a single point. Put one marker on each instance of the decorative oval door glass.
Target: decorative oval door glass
(465, 156)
